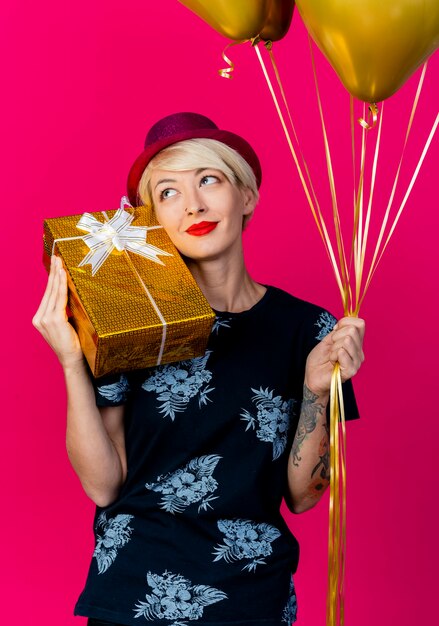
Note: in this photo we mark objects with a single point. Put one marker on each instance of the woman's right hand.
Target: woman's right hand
(51, 318)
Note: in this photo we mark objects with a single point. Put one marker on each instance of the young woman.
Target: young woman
(188, 462)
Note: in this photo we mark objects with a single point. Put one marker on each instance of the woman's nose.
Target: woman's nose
(192, 210)
(194, 202)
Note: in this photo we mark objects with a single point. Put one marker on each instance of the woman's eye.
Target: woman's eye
(209, 180)
(167, 193)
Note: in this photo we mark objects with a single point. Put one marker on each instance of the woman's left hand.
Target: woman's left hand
(343, 345)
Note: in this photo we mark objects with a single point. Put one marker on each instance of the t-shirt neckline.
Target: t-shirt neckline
(260, 303)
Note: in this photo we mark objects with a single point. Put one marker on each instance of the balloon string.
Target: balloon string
(351, 99)
(337, 498)
(377, 253)
(342, 465)
(337, 451)
(336, 215)
(332, 561)
(359, 270)
(358, 191)
(357, 231)
(337, 504)
(409, 189)
(269, 47)
(316, 212)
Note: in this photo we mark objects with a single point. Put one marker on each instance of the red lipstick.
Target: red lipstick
(202, 228)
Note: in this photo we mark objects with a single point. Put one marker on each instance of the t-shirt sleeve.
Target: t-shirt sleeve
(112, 390)
(321, 323)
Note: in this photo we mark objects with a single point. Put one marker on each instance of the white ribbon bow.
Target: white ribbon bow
(117, 233)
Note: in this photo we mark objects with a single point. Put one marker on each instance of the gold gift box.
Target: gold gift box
(118, 326)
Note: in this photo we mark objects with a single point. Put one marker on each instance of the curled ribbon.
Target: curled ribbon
(226, 72)
(372, 117)
(104, 237)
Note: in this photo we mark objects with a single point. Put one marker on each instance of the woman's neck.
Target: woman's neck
(226, 287)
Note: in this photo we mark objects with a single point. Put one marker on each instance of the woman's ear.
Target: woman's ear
(249, 201)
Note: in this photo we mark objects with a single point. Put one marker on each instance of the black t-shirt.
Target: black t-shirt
(196, 535)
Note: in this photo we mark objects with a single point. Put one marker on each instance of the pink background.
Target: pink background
(83, 83)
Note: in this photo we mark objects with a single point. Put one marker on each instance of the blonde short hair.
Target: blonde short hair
(193, 154)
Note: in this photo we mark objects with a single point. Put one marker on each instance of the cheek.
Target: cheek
(172, 234)
(158, 213)
(236, 216)
(165, 217)
(170, 226)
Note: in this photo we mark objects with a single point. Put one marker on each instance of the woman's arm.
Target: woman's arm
(95, 438)
(308, 465)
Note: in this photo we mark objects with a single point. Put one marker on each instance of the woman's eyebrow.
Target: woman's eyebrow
(165, 180)
(172, 180)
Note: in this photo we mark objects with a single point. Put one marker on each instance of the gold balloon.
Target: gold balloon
(278, 20)
(373, 45)
(245, 19)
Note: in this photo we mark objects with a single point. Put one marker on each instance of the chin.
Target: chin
(200, 257)
(209, 249)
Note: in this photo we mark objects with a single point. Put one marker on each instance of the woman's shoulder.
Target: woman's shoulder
(299, 315)
(289, 302)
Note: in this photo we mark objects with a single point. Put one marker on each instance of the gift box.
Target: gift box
(133, 302)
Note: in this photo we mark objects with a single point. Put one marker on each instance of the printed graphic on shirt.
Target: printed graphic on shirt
(290, 611)
(174, 597)
(189, 485)
(272, 419)
(116, 533)
(117, 392)
(325, 323)
(244, 539)
(220, 323)
(175, 385)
